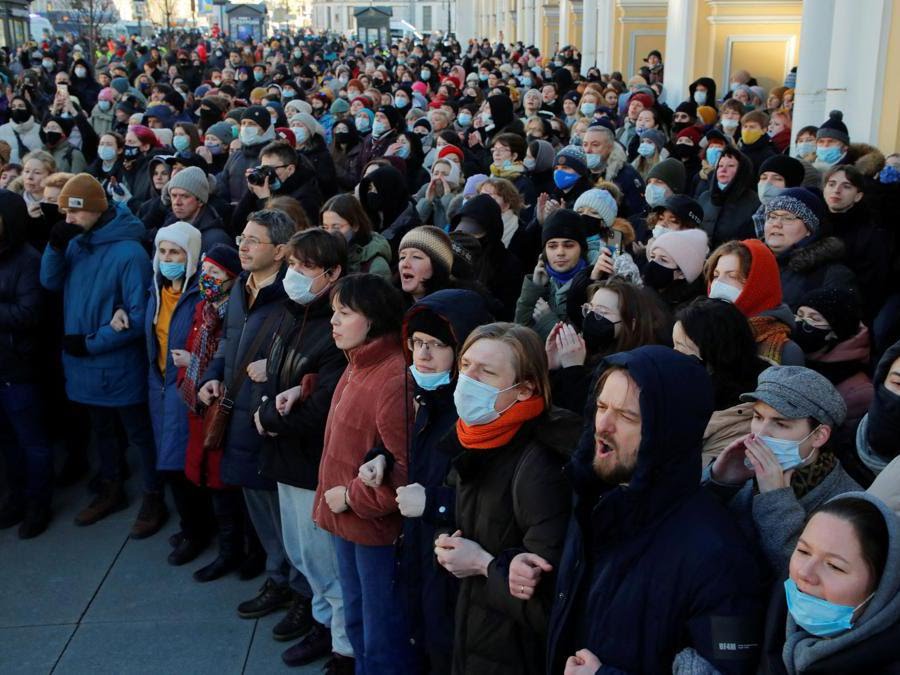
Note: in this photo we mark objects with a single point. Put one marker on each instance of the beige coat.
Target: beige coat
(725, 427)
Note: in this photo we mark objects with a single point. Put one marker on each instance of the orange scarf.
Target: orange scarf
(498, 433)
(771, 336)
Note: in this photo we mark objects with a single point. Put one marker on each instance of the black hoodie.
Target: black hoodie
(710, 85)
(728, 213)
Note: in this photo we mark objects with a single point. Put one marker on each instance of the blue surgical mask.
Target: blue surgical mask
(659, 230)
(525, 81)
(712, 155)
(172, 270)
(301, 134)
(297, 286)
(805, 148)
(786, 452)
(829, 155)
(595, 162)
(425, 75)
(401, 103)
(258, 76)
(429, 381)
(248, 135)
(564, 180)
(729, 124)
(181, 143)
(722, 186)
(106, 152)
(767, 192)
(104, 105)
(379, 128)
(483, 77)
(647, 149)
(655, 194)
(719, 290)
(403, 152)
(700, 97)
(464, 120)
(817, 616)
(475, 400)
(588, 109)
(362, 124)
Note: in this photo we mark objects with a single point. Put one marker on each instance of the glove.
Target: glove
(75, 345)
(120, 193)
(62, 233)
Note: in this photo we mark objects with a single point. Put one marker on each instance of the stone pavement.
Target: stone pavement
(91, 600)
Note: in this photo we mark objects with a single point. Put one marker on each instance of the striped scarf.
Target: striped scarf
(771, 336)
(204, 348)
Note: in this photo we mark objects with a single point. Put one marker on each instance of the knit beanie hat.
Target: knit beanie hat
(368, 113)
(286, 134)
(789, 168)
(834, 127)
(601, 202)
(339, 107)
(656, 137)
(120, 84)
(691, 132)
(258, 92)
(451, 150)
(395, 119)
(573, 156)
(224, 131)
(225, 258)
(803, 203)
(296, 105)
(646, 99)
(106, 94)
(145, 135)
(258, 114)
(708, 114)
(689, 107)
(192, 179)
(762, 289)
(687, 248)
(433, 242)
(83, 191)
(185, 236)
(565, 224)
(670, 171)
(839, 307)
(425, 320)
(472, 182)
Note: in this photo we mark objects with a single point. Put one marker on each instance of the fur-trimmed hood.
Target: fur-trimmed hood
(867, 158)
(616, 160)
(822, 252)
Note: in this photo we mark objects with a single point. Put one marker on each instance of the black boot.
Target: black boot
(297, 622)
(230, 546)
(37, 518)
(314, 645)
(186, 551)
(271, 598)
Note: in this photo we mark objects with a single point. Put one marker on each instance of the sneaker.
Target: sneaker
(218, 568)
(315, 645)
(110, 499)
(186, 551)
(339, 664)
(271, 597)
(37, 518)
(152, 516)
(11, 514)
(297, 622)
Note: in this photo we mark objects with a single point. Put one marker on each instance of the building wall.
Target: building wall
(640, 27)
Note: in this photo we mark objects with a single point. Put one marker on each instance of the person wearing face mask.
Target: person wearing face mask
(509, 446)
(650, 150)
(169, 319)
(141, 147)
(835, 611)
(385, 197)
(832, 142)
(730, 120)
(703, 92)
(675, 265)
(776, 174)
(22, 132)
(754, 141)
(102, 116)
(785, 467)
(829, 329)
(877, 435)
(805, 148)
(664, 180)
(82, 84)
(311, 144)
(717, 333)
(745, 273)
(256, 131)
(303, 367)
(345, 149)
(434, 329)
(386, 125)
(368, 252)
(433, 198)
(216, 146)
(730, 199)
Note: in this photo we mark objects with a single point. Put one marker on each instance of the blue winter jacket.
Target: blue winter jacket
(168, 411)
(656, 566)
(102, 270)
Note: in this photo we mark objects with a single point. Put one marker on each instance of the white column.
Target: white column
(812, 66)
(856, 65)
(520, 22)
(531, 29)
(678, 56)
(464, 21)
(589, 34)
(565, 7)
(605, 28)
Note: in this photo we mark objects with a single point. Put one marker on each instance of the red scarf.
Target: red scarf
(498, 433)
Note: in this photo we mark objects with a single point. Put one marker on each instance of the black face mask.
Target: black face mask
(132, 151)
(658, 277)
(884, 423)
(50, 138)
(593, 225)
(598, 331)
(51, 213)
(373, 203)
(18, 115)
(683, 152)
(342, 138)
(809, 338)
(679, 126)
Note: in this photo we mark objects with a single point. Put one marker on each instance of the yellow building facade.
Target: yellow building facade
(847, 51)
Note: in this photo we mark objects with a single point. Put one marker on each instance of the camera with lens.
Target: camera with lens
(259, 174)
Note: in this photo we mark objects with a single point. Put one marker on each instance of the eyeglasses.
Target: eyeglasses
(417, 345)
(587, 309)
(783, 218)
(251, 242)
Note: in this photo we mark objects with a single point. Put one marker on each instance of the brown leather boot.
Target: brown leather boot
(152, 516)
(110, 499)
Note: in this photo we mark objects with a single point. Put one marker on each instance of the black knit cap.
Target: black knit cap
(258, 114)
(839, 306)
(789, 168)
(226, 257)
(565, 224)
(424, 320)
(393, 115)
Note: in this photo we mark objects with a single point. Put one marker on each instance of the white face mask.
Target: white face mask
(719, 290)
(767, 192)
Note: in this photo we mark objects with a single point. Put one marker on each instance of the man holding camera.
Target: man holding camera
(281, 172)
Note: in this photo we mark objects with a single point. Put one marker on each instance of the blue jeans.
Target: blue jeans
(23, 439)
(136, 421)
(311, 550)
(265, 514)
(374, 608)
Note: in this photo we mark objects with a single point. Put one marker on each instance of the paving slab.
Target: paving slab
(265, 652)
(32, 650)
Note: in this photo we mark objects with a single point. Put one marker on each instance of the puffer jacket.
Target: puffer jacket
(816, 265)
(510, 500)
(372, 256)
(301, 346)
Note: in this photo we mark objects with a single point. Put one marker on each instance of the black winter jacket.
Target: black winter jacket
(302, 186)
(728, 214)
(302, 345)
(816, 265)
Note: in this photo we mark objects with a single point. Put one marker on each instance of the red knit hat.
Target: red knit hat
(691, 132)
(762, 290)
(145, 135)
(451, 150)
(645, 99)
(286, 134)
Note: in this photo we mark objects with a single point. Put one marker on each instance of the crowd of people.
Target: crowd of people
(483, 364)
